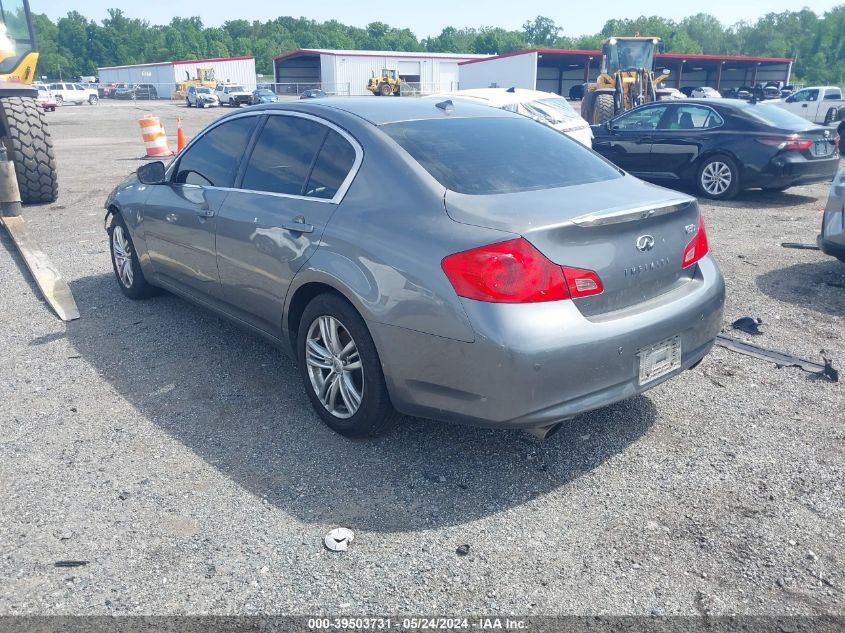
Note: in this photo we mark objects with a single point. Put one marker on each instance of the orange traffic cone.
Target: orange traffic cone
(180, 136)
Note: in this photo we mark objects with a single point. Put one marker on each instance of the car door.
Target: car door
(804, 103)
(629, 136)
(292, 183)
(180, 216)
(679, 138)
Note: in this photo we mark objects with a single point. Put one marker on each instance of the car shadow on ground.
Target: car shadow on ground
(752, 198)
(818, 286)
(238, 403)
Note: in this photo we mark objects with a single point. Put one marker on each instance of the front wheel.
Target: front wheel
(603, 108)
(30, 146)
(718, 178)
(59, 100)
(385, 90)
(341, 369)
(187, 103)
(124, 261)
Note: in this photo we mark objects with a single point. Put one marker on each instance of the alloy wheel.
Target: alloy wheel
(716, 178)
(334, 366)
(122, 252)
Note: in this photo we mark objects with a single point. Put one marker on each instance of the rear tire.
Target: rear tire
(93, 100)
(603, 109)
(385, 90)
(59, 100)
(371, 412)
(124, 260)
(27, 139)
(187, 103)
(718, 178)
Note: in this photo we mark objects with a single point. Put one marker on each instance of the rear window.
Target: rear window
(776, 116)
(498, 155)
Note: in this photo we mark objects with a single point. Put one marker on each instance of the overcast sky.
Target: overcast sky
(429, 17)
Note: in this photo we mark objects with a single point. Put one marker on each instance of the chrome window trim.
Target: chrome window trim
(341, 191)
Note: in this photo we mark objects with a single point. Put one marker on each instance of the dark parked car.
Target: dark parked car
(721, 146)
(264, 95)
(138, 91)
(512, 278)
(313, 93)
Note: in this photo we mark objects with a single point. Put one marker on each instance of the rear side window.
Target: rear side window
(775, 116)
(498, 155)
(333, 165)
(213, 160)
(284, 155)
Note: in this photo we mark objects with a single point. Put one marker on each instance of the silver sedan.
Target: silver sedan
(832, 238)
(437, 259)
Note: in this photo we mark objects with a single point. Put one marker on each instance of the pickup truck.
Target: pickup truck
(819, 104)
(233, 95)
(74, 93)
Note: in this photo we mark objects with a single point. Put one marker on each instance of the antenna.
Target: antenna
(447, 106)
(511, 89)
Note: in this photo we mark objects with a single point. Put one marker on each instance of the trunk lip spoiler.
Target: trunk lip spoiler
(617, 215)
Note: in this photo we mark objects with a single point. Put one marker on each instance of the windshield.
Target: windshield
(482, 155)
(235, 89)
(629, 55)
(203, 91)
(266, 93)
(552, 110)
(17, 40)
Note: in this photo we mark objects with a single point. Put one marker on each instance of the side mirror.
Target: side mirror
(151, 173)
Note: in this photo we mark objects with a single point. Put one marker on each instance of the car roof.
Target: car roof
(502, 96)
(383, 110)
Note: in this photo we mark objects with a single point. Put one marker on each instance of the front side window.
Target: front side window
(639, 120)
(283, 155)
(213, 159)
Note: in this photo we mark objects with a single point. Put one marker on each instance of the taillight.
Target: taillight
(698, 246)
(788, 143)
(516, 272)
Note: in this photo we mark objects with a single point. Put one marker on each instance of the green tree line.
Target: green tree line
(76, 46)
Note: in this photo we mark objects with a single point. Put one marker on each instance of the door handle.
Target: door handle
(298, 225)
(205, 212)
(803, 105)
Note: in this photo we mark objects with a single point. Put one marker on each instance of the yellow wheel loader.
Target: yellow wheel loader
(627, 78)
(22, 125)
(386, 85)
(205, 77)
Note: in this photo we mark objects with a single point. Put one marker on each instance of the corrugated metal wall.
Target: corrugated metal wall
(519, 71)
(435, 75)
(158, 74)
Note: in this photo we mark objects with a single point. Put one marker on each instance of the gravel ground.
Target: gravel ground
(180, 458)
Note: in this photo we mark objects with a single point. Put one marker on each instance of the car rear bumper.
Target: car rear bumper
(799, 171)
(532, 365)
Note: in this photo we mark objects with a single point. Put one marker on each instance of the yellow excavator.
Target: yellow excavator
(205, 77)
(22, 125)
(387, 84)
(627, 78)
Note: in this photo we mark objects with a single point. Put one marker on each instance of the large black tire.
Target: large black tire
(132, 281)
(841, 131)
(27, 139)
(385, 90)
(375, 414)
(603, 109)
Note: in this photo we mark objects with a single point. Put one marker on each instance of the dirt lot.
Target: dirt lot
(180, 458)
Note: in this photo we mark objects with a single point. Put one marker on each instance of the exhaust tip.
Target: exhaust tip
(545, 432)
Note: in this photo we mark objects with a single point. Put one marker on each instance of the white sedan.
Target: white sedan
(546, 107)
(706, 92)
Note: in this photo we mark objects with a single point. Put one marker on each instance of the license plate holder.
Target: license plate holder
(659, 359)
(822, 148)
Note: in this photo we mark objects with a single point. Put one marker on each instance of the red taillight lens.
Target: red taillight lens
(788, 143)
(698, 246)
(516, 272)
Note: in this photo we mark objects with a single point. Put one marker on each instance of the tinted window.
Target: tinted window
(283, 155)
(832, 95)
(498, 155)
(775, 116)
(214, 158)
(641, 119)
(691, 117)
(332, 166)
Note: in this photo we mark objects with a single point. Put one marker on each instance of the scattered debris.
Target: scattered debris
(66, 535)
(210, 570)
(70, 563)
(779, 358)
(800, 246)
(338, 539)
(123, 496)
(462, 550)
(748, 325)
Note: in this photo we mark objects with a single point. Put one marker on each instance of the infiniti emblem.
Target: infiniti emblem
(645, 243)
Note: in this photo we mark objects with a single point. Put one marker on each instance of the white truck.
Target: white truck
(233, 95)
(819, 104)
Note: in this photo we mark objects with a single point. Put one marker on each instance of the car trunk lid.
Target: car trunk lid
(631, 233)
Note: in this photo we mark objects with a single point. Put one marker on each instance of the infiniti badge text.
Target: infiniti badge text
(633, 271)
